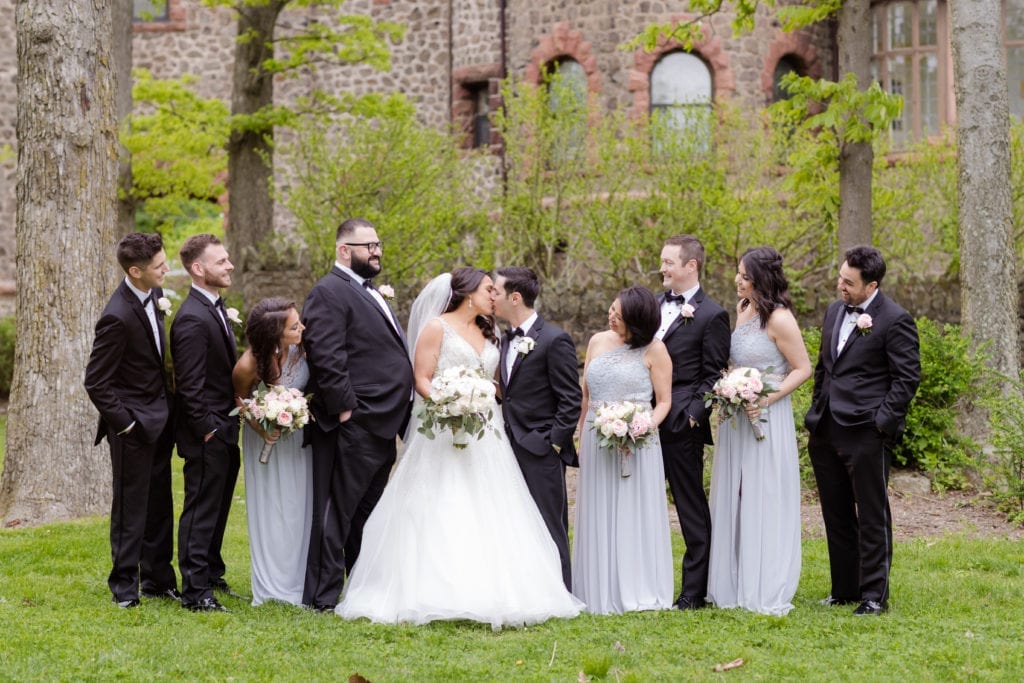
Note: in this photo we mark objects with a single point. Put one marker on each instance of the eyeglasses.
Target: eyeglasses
(370, 246)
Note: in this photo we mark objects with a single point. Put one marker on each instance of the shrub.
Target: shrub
(1003, 468)
(7, 338)
(950, 372)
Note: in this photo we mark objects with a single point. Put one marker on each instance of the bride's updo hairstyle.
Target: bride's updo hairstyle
(465, 281)
(641, 315)
(764, 268)
(264, 330)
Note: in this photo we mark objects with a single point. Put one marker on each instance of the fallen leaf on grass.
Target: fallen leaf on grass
(618, 647)
(734, 664)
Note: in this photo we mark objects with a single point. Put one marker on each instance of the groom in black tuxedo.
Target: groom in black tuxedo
(361, 381)
(867, 373)
(126, 381)
(204, 352)
(695, 330)
(541, 400)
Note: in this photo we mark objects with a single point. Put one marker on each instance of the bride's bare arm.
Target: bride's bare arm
(660, 365)
(428, 348)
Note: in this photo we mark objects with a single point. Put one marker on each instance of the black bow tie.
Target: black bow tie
(148, 300)
(854, 309)
(514, 332)
(670, 297)
(368, 283)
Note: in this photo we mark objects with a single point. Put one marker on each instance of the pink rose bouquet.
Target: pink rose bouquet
(623, 425)
(275, 407)
(735, 391)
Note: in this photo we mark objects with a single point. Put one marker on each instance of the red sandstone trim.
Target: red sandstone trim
(797, 44)
(175, 20)
(564, 42)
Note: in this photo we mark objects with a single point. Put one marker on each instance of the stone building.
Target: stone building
(455, 53)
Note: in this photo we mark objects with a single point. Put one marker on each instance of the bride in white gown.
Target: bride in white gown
(456, 534)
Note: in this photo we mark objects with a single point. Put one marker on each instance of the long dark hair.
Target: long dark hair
(640, 314)
(764, 268)
(465, 281)
(264, 330)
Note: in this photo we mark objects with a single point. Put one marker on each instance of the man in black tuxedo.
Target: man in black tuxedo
(361, 381)
(541, 400)
(695, 330)
(867, 373)
(126, 381)
(204, 352)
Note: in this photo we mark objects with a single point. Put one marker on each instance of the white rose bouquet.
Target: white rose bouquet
(736, 390)
(624, 426)
(275, 407)
(461, 400)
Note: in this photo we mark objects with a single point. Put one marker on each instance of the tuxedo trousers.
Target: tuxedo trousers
(683, 456)
(210, 476)
(141, 515)
(545, 478)
(851, 467)
(351, 466)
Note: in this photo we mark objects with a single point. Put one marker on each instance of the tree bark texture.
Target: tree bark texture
(65, 229)
(988, 275)
(853, 37)
(123, 25)
(250, 160)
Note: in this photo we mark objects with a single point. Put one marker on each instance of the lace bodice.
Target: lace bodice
(752, 348)
(620, 375)
(455, 350)
(295, 373)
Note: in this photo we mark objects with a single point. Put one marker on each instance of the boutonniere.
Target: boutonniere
(686, 313)
(387, 291)
(164, 304)
(864, 323)
(525, 345)
(233, 316)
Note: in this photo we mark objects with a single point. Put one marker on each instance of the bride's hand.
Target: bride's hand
(272, 437)
(753, 411)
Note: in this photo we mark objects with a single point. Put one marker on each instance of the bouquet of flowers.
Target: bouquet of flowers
(461, 400)
(275, 407)
(736, 390)
(623, 425)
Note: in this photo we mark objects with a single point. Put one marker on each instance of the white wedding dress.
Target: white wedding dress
(456, 534)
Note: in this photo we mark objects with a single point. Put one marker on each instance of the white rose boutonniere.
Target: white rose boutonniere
(525, 345)
(164, 304)
(864, 323)
(233, 316)
(686, 313)
(387, 291)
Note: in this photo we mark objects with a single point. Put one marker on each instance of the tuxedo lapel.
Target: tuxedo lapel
(504, 361)
(837, 329)
(533, 334)
(136, 307)
(365, 294)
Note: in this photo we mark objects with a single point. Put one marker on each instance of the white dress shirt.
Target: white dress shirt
(850, 323)
(513, 344)
(670, 311)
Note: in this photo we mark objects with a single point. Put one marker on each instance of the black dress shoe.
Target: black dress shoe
(128, 604)
(165, 593)
(317, 607)
(205, 605)
(832, 601)
(222, 586)
(685, 602)
(871, 608)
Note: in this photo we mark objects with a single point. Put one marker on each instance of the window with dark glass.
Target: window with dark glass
(788, 64)
(481, 123)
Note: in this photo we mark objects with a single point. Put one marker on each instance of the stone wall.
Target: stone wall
(449, 44)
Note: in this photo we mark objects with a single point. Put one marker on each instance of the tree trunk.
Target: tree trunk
(853, 36)
(122, 21)
(250, 162)
(66, 218)
(988, 276)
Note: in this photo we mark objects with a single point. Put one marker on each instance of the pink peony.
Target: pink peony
(284, 418)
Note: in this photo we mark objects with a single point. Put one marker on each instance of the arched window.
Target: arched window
(788, 64)
(681, 95)
(567, 101)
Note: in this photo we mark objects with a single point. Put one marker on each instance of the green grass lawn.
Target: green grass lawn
(957, 613)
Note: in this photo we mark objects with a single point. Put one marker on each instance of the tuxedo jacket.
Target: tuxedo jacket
(204, 356)
(357, 359)
(542, 399)
(125, 376)
(699, 348)
(875, 377)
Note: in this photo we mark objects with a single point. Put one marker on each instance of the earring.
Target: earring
(471, 304)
